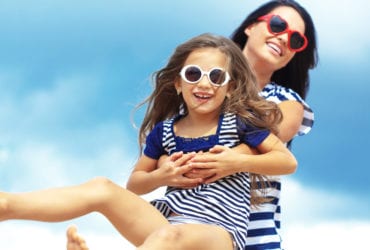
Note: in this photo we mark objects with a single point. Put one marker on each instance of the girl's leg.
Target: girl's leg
(133, 217)
(189, 236)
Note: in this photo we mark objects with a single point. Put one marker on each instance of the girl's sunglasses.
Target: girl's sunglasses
(193, 74)
(277, 25)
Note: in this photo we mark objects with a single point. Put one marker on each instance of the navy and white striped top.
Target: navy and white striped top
(264, 224)
(225, 202)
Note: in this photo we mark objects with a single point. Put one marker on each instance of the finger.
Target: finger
(184, 159)
(202, 174)
(203, 158)
(217, 149)
(191, 182)
(197, 165)
(176, 156)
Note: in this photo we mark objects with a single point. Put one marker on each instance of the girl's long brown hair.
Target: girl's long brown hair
(244, 100)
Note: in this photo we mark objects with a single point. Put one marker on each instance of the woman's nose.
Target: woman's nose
(283, 38)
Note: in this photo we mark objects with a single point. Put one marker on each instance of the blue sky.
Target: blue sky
(72, 71)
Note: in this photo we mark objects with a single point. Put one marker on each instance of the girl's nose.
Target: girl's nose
(204, 82)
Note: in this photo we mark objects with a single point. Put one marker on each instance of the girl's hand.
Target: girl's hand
(219, 162)
(172, 170)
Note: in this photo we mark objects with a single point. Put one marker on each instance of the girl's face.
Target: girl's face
(271, 48)
(203, 97)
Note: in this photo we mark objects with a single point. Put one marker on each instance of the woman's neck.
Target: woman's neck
(262, 79)
(262, 72)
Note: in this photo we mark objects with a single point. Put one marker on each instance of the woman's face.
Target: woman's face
(271, 49)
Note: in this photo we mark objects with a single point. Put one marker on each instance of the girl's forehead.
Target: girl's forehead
(207, 58)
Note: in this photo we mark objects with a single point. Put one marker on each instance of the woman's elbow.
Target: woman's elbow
(292, 166)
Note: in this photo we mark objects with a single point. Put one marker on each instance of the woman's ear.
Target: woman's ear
(247, 31)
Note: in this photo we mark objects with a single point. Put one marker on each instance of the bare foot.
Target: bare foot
(74, 240)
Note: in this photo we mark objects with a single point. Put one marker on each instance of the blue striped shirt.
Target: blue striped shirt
(225, 202)
(264, 224)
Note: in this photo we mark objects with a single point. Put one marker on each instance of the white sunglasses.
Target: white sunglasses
(193, 74)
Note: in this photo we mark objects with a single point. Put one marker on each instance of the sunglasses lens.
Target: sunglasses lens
(296, 41)
(217, 76)
(193, 74)
(277, 24)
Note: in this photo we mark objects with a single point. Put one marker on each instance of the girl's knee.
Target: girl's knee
(170, 233)
(103, 188)
(167, 236)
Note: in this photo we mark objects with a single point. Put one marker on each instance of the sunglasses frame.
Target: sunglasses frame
(203, 72)
(267, 18)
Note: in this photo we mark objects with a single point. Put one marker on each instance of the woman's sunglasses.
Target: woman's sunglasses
(193, 74)
(277, 25)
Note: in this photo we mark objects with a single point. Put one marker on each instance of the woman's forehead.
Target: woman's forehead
(294, 19)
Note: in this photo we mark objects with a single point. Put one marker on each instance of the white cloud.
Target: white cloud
(319, 219)
(341, 27)
(39, 165)
(42, 237)
(339, 235)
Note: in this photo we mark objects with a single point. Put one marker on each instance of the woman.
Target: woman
(279, 41)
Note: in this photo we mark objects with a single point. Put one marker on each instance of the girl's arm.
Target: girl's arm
(143, 178)
(146, 177)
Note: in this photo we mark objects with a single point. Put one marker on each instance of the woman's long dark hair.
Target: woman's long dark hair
(295, 74)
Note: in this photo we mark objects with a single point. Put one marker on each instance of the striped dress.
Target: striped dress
(264, 225)
(225, 202)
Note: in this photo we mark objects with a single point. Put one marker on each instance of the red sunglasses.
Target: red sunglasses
(277, 25)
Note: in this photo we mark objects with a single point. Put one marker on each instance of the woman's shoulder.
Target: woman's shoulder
(277, 93)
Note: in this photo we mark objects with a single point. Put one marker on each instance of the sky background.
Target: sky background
(71, 73)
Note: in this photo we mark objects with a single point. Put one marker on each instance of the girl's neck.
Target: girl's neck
(197, 125)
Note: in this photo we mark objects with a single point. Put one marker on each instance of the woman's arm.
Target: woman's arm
(292, 119)
(273, 159)
(222, 157)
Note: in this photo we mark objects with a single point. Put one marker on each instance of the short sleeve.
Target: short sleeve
(153, 147)
(251, 135)
(277, 94)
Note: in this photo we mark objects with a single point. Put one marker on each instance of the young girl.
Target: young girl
(209, 81)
